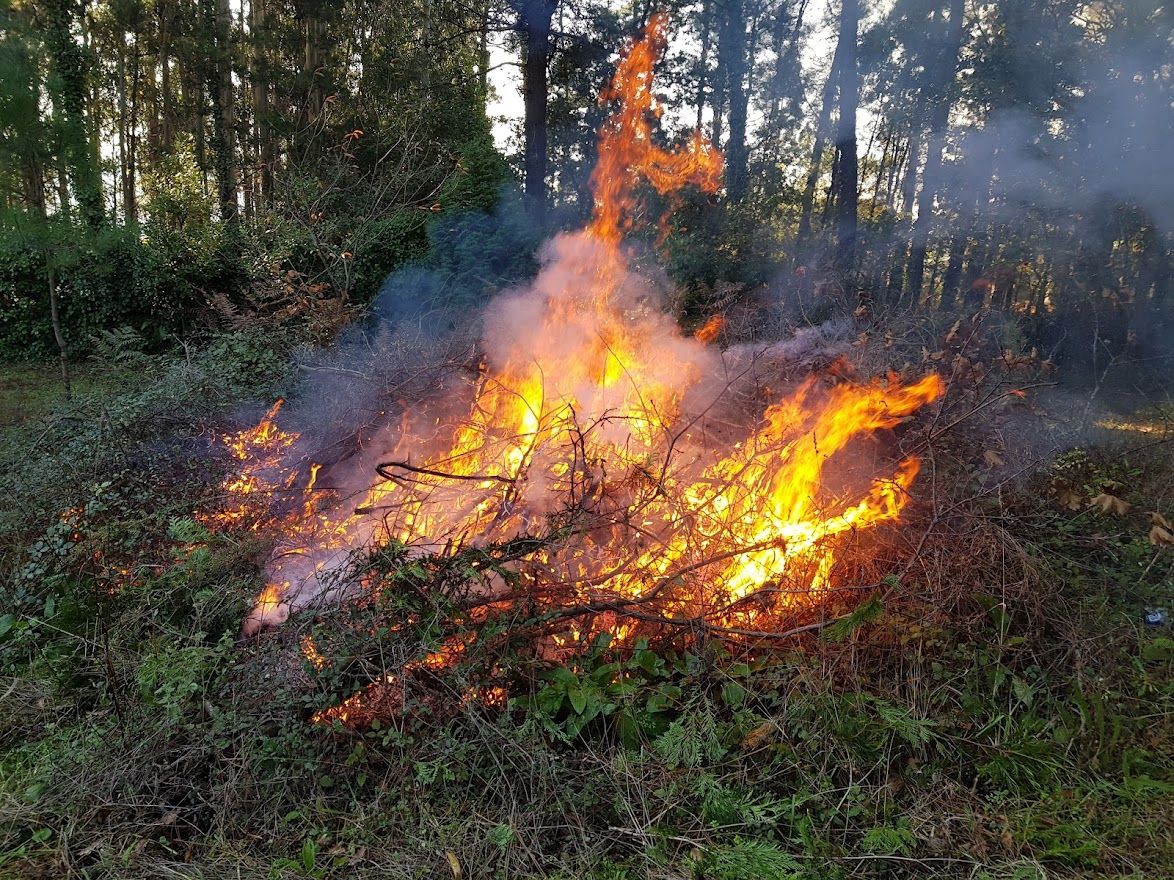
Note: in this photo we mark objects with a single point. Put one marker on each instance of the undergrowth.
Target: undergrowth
(999, 710)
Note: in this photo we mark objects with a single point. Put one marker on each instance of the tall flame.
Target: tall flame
(585, 413)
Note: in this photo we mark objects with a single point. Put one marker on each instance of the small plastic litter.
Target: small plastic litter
(1155, 617)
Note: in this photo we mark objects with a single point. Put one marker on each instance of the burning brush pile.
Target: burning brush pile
(610, 473)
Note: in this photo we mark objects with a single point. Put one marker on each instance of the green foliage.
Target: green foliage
(750, 859)
(107, 280)
(908, 736)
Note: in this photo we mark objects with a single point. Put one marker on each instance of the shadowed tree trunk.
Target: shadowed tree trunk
(942, 85)
(847, 163)
(70, 63)
(822, 126)
(260, 75)
(220, 91)
(703, 59)
(534, 23)
(732, 55)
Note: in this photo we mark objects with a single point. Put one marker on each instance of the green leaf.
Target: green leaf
(1022, 690)
(866, 612)
(733, 694)
(6, 621)
(1157, 650)
(578, 698)
(309, 854)
(628, 728)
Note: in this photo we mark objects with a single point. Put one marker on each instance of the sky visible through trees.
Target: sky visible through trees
(1008, 155)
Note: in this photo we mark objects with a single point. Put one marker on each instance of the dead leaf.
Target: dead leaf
(1068, 496)
(757, 736)
(953, 334)
(1161, 537)
(1159, 520)
(993, 459)
(1111, 504)
(454, 865)
(888, 339)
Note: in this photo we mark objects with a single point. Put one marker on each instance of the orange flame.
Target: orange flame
(627, 149)
(580, 413)
(710, 330)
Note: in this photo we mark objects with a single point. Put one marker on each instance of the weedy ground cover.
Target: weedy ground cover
(997, 708)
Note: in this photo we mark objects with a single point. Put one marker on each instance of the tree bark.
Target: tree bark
(223, 123)
(703, 59)
(58, 334)
(732, 50)
(848, 170)
(70, 64)
(945, 69)
(534, 21)
(35, 193)
(821, 132)
(262, 97)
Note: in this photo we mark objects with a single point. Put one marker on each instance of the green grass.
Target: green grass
(1003, 713)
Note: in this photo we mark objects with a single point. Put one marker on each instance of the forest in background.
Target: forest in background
(168, 166)
(288, 261)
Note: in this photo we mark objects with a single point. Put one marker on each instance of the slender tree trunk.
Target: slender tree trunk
(123, 117)
(846, 196)
(945, 68)
(822, 126)
(534, 21)
(953, 276)
(880, 172)
(58, 334)
(483, 52)
(167, 110)
(732, 51)
(70, 64)
(703, 59)
(223, 124)
(130, 206)
(262, 100)
(35, 193)
(785, 55)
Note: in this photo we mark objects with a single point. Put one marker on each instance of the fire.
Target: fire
(259, 450)
(710, 330)
(589, 421)
(627, 149)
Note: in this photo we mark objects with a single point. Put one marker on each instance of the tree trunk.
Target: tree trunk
(130, 206)
(953, 276)
(167, 110)
(821, 131)
(848, 171)
(70, 62)
(786, 54)
(220, 88)
(262, 101)
(732, 50)
(534, 21)
(703, 59)
(35, 193)
(123, 118)
(58, 335)
(945, 68)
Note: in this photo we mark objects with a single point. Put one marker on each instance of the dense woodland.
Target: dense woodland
(162, 158)
(256, 263)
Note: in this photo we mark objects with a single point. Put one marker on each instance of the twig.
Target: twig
(383, 467)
